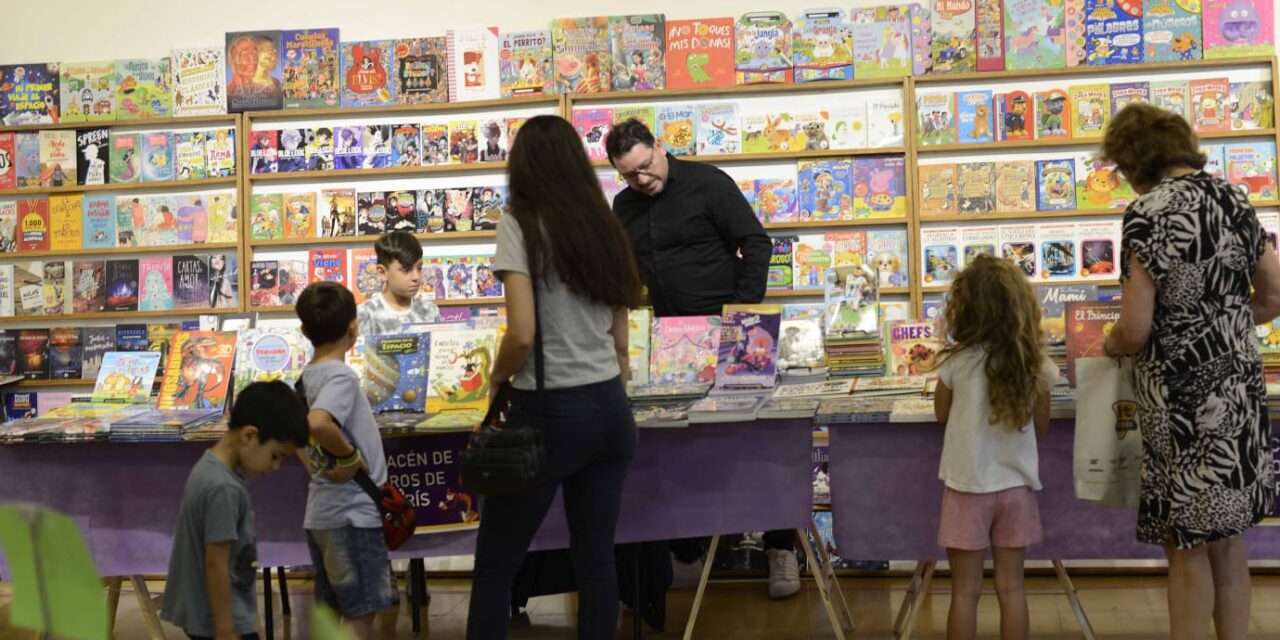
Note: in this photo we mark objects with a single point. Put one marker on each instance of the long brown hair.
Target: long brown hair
(569, 229)
(992, 307)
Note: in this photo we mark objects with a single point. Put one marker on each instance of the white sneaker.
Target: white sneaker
(784, 573)
(686, 575)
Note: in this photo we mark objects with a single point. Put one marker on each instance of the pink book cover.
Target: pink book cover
(1074, 23)
(683, 349)
(592, 126)
(990, 22)
(1238, 28)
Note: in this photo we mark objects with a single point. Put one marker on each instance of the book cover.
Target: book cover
(130, 337)
(255, 72)
(1171, 30)
(460, 272)
(638, 325)
(879, 187)
(28, 288)
(914, 348)
(717, 129)
(1112, 32)
(975, 186)
(199, 81)
(582, 54)
(1215, 160)
(1238, 28)
(92, 153)
(776, 199)
(940, 248)
(291, 275)
(1100, 186)
(144, 90)
(219, 153)
(973, 117)
(56, 289)
(822, 45)
(1123, 93)
(435, 143)
(367, 74)
(1053, 302)
(464, 143)
(990, 28)
(493, 140)
(811, 260)
(65, 353)
(198, 372)
(1252, 106)
(1090, 109)
(1015, 186)
(192, 219)
(406, 145)
(264, 289)
(474, 65)
(58, 158)
(1099, 249)
(1059, 254)
(33, 354)
(676, 129)
(89, 286)
(267, 222)
(433, 286)
(887, 254)
(337, 211)
(525, 64)
(431, 208)
(26, 161)
(746, 187)
(126, 376)
(885, 125)
(1088, 324)
(29, 94)
(299, 214)
(780, 271)
(319, 142)
(33, 225)
(1015, 119)
(848, 248)
(329, 265)
(763, 48)
(122, 285)
(637, 43)
(376, 145)
(348, 147)
(683, 350)
(1209, 108)
(223, 225)
(270, 353)
(921, 27)
(882, 41)
(8, 226)
(97, 342)
(310, 68)
(264, 154)
(1034, 35)
(937, 189)
(157, 157)
(937, 115)
(700, 53)
(1251, 168)
(846, 125)
(159, 222)
(291, 150)
(978, 241)
(459, 213)
(490, 205)
(160, 340)
(371, 212)
(65, 222)
(1055, 185)
(825, 192)
(365, 279)
(748, 349)
(87, 91)
(155, 283)
(395, 371)
(1018, 245)
(8, 158)
(1172, 95)
(189, 156)
(954, 43)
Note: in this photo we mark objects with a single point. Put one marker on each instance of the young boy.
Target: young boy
(343, 526)
(400, 265)
(211, 589)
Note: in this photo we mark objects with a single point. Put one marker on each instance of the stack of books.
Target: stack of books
(161, 425)
(852, 318)
(891, 387)
(738, 408)
(855, 410)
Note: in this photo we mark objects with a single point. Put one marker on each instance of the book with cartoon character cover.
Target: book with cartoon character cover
(822, 46)
(1171, 30)
(684, 349)
(198, 372)
(637, 46)
(748, 350)
(458, 369)
(368, 74)
(525, 65)
(763, 48)
(700, 53)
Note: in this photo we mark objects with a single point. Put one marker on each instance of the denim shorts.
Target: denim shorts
(353, 571)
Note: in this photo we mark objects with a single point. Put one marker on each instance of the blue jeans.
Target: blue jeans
(353, 571)
(590, 437)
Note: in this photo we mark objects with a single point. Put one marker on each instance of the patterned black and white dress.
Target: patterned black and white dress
(1206, 472)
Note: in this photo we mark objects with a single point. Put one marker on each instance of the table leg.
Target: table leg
(268, 606)
(637, 594)
(923, 592)
(916, 576)
(1069, 588)
(417, 592)
(818, 570)
(113, 602)
(702, 587)
(147, 608)
(286, 610)
(830, 570)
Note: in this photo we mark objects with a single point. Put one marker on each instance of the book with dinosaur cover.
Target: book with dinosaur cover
(198, 372)
(458, 369)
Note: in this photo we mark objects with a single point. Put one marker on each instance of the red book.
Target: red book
(700, 53)
(33, 224)
(8, 179)
(329, 265)
(1088, 324)
(990, 27)
(1210, 109)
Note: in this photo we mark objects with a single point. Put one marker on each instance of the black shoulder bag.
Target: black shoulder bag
(506, 456)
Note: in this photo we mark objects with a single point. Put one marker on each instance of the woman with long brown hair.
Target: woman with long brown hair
(568, 274)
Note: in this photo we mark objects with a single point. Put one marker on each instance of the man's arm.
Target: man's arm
(740, 228)
(217, 584)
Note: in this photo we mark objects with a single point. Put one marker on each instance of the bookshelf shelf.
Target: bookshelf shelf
(1076, 142)
(738, 90)
(229, 181)
(469, 302)
(115, 251)
(151, 123)
(52, 383)
(349, 113)
(116, 315)
(1041, 74)
(835, 224)
(389, 172)
(818, 293)
(782, 155)
(1064, 281)
(369, 240)
(1028, 216)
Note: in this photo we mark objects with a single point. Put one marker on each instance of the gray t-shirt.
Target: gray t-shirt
(215, 508)
(376, 318)
(333, 387)
(576, 342)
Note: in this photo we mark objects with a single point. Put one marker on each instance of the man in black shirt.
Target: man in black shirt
(699, 247)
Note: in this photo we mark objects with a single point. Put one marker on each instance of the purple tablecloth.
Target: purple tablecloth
(885, 498)
(704, 480)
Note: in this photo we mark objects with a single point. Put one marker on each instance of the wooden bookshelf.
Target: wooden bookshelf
(55, 319)
(230, 181)
(150, 123)
(1028, 216)
(350, 113)
(834, 224)
(1005, 145)
(1118, 69)
(818, 293)
(116, 251)
(739, 90)
(53, 383)
(369, 240)
(388, 172)
(1064, 281)
(806, 154)
(469, 302)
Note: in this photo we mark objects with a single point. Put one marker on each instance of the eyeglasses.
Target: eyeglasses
(645, 168)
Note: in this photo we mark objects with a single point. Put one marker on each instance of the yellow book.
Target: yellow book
(459, 369)
(65, 226)
(1090, 110)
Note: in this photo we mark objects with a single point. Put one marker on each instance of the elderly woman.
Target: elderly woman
(1197, 276)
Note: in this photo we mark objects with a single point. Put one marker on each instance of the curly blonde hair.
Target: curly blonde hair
(991, 307)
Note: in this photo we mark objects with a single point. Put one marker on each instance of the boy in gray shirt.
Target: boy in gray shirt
(400, 302)
(211, 590)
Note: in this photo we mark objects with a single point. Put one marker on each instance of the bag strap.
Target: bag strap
(362, 478)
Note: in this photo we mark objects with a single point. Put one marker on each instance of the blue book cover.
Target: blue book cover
(157, 157)
(406, 145)
(825, 190)
(348, 147)
(395, 371)
(19, 405)
(1055, 185)
(1215, 159)
(1113, 31)
(377, 146)
(292, 152)
(99, 230)
(748, 350)
(132, 337)
(973, 116)
(1171, 30)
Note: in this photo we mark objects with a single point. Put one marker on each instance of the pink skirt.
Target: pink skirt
(976, 521)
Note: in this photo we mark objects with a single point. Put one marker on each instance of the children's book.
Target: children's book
(825, 191)
(1059, 256)
(406, 145)
(1171, 96)
(189, 156)
(940, 248)
(26, 162)
(431, 208)
(1088, 324)
(28, 288)
(1100, 186)
(583, 54)
(157, 157)
(879, 187)
(763, 48)
(122, 285)
(848, 248)
(192, 220)
(33, 225)
(88, 91)
(1034, 35)
(126, 376)
(1099, 249)
(319, 144)
(473, 58)
(92, 153)
(885, 125)
(813, 256)
(937, 114)
(264, 152)
(395, 371)
(223, 225)
(89, 286)
(1053, 301)
(255, 76)
(1113, 32)
(937, 189)
(1215, 160)
(199, 81)
(975, 187)
(973, 117)
(368, 78)
(131, 214)
(1171, 30)
(329, 265)
(458, 369)
(592, 126)
(684, 350)
(846, 126)
(299, 214)
(264, 288)
(677, 127)
(264, 354)
(1238, 28)
(1015, 186)
(718, 129)
(8, 228)
(291, 150)
(155, 275)
(1015, 116)
(822, 46)
(198, 373)
(978, 241)
(58, 158)
(435, 143)
(525, 64)
(490, 205)
(1210, 111)
(310, 68)
(1124, 93)
(219, 153)
(700, 53)
(29, 94)
(371, 212)
(748, 350)
(1018, 245)
(337, 211)
(637, 46)
(882, 41)
(267, 221)
(1252, 106)
(8, 153)
(954, 44)
(1091, 110)
(990, 35)
(464, 143)
(56, 290)
(887, 254)
(66, 222)
(291, 275)
(780, 271)
(639, 322)
(1055, 185)
(1251, 167)
(144, 89)
(365, 279)
(920, 29)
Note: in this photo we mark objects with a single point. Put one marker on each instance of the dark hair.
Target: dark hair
(398, 246)
(275, 409)
(326, 310)
(624, 135)
(553, 187)
(1145, 142)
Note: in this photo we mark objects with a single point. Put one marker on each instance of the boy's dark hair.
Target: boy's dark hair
(398, 246)
(326, 310)
(275, 409)
(625, 135)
